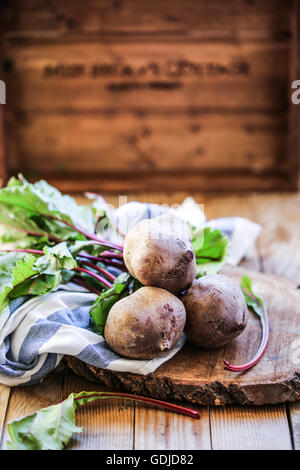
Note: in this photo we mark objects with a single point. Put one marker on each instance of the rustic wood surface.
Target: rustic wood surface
(230, 427)
(3, 168)
(173, 74)
(252, 20)
(197, 89)
(198, 376)
(144, 143)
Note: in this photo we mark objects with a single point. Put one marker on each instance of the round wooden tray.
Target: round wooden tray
(198, 376)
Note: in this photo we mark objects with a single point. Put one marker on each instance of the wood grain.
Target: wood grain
(278, 243)
(132, 73)
(156, 429)
(3, 166)
(154, 143)
(107, 424)
(279, 251)
(4, 400)
(294, 118)
(294, 413)
(252, 19)
(250, 428)
(208, 181)
(84, 81)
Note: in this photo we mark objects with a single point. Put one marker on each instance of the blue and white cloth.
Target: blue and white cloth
(35, 333)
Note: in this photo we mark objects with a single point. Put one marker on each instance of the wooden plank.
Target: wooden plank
(4, 400)
(250, 428)
(294, 411)
(117, 74)
(107, 424)
(26, 400)
(279, 215)
(258, 18)
(279, 250)
(127, 142)
(156, 429)
(125, 184)
(3, 168)
(294, 124)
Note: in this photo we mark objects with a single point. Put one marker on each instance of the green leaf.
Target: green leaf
(50, 428)
(24, 273)
(20, 219)
(55, 259)
(39, 285)
(101, 307)
(89, 246)
(211, 247)
(14, 269)
(252, 300)
(41, 208)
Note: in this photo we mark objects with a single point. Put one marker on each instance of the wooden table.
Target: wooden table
(124, 425)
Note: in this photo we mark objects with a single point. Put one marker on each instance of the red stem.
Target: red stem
(88, 256)
(96, 276)
(22, 250)
(91, 236)
(101, 270)
(262, 347)
(111, 254)
(151, 401)
(36, 234)
(92, 265)
(117, 263)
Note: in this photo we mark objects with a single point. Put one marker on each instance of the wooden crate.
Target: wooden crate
(138, 95)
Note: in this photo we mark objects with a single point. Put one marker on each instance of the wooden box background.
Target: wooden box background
(136, 94)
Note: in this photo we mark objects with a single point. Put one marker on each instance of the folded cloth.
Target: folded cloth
(35, 333)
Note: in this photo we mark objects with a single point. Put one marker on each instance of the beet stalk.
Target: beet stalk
(151, 401)
(103, 271)
(96, 276)
(257, 305)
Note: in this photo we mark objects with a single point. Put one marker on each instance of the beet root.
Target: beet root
(159, 252)
(146, 324)
(216, 311)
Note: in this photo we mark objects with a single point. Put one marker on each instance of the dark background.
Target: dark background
(140, 95)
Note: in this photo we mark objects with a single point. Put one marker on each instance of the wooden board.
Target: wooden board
(198, 376)
(103, 92)
(159, 142)
(3, 169)
(258, 18)
(248, 428)
(146, 73)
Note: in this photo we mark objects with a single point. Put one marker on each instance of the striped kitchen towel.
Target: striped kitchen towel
(36, 332)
